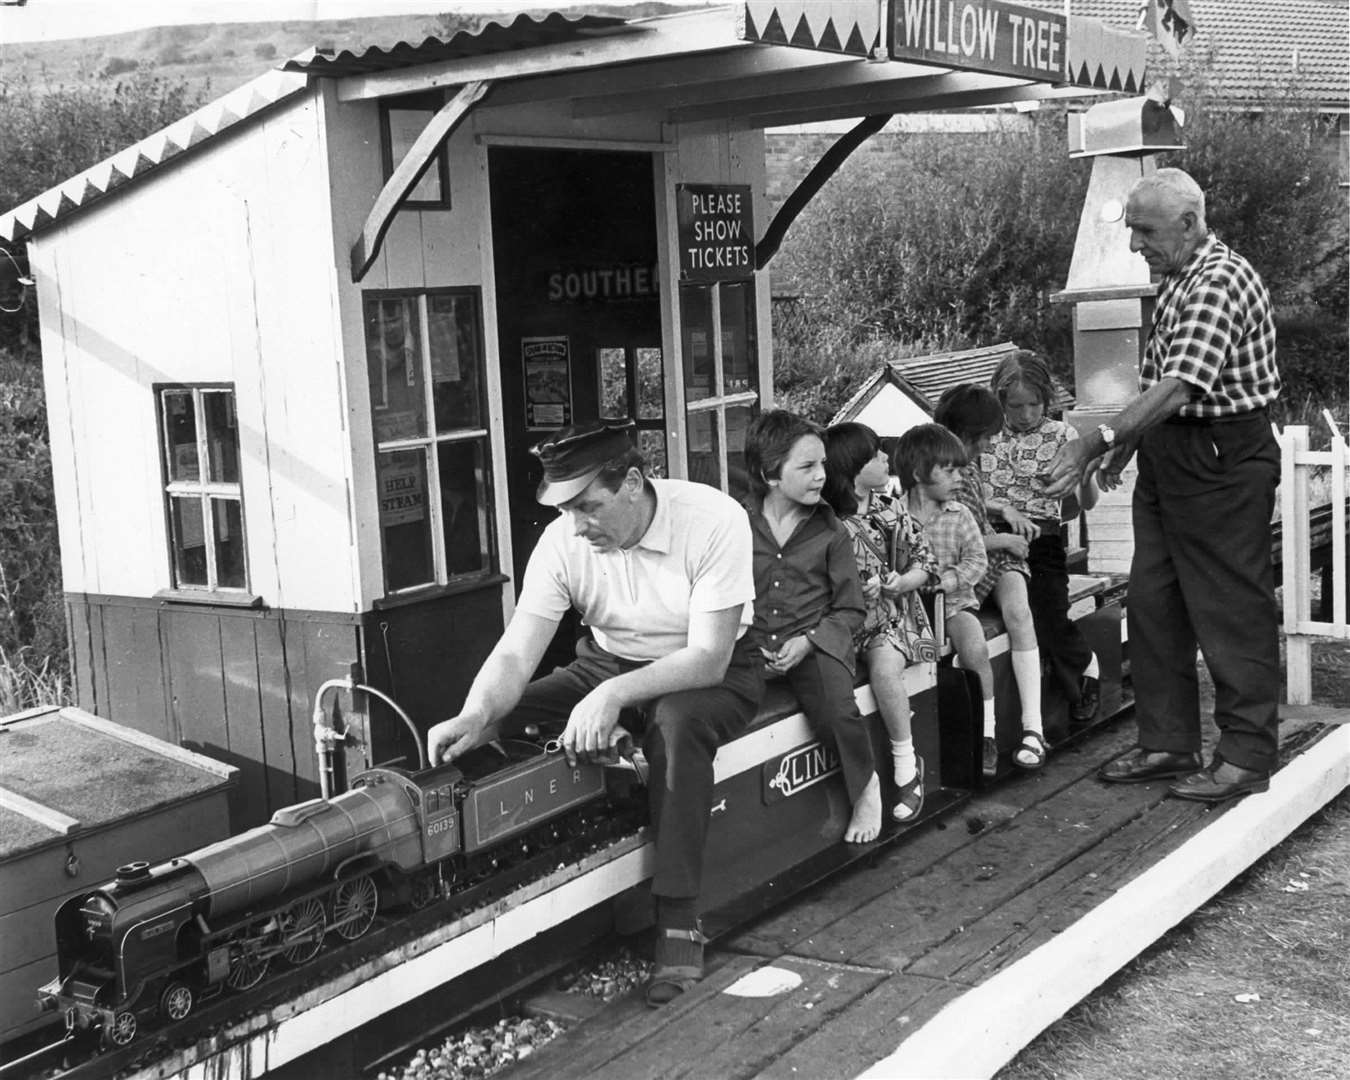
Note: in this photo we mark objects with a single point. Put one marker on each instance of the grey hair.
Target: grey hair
(1178, 187)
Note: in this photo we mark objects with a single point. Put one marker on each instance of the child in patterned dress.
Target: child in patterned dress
(928, 461)
(894, 562)
(973, 414)
(1017, 456)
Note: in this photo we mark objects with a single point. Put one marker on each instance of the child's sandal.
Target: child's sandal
(1031, 754)
(909, 804)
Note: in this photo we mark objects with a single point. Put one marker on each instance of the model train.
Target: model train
(156, 940)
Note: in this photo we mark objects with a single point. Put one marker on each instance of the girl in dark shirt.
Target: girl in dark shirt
(808, 601)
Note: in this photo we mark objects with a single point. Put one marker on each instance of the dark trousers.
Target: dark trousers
(1064, 649)
(824, 689)
(680, 734)
(1202, 575)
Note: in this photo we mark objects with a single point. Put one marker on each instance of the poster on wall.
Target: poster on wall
(548, 382)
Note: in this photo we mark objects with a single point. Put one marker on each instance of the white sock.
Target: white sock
(902, 756)
(989, 718)
(1026, 666)
(1093, 669)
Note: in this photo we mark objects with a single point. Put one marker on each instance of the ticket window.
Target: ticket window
(721, 382)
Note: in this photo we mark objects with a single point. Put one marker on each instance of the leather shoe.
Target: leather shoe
(1139, 765)
(1222, 780)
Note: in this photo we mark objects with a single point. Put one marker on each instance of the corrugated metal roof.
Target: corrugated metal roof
(1249, 50)
(524, 32)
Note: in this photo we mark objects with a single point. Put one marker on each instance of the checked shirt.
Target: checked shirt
(1213, 327)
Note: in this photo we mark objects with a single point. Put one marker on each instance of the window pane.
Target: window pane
(222, 436)
(227, 517)
(404, 527)
(651, 392)
(703, 458)
(653, 447)
(613, 365)
(180, 430)
(189, 540)
(394, 362)
(464, 506)
(738, 419)
(738, 352)
(696, 330)
(456, 361)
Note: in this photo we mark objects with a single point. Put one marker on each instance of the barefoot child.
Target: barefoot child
(973, 414)
(894, 561)
(1013, 465)
(808, 602)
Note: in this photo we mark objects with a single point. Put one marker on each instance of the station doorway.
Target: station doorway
(578, 307)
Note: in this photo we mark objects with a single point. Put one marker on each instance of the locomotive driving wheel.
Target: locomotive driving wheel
(247, 968)
(176, 1001)
(354, 906)
(122, 1029)
(303, 923)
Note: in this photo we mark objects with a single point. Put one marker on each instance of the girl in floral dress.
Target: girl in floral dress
(894, 561)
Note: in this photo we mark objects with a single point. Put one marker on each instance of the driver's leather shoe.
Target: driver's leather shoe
(1139, 765)
(1222, 780)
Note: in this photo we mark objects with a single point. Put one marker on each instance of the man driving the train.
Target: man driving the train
(660, 572)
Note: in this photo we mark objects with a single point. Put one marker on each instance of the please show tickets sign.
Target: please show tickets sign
(716, 231)
(981, 35)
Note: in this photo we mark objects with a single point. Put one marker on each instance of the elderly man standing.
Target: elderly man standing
(1203, 500)
(661, 573)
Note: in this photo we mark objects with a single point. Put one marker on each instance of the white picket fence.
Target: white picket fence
(1297, 464)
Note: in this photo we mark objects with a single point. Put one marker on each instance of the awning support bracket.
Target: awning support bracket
(827, 166)
(404, 178)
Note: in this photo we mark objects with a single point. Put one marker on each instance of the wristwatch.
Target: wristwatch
(1108, 434)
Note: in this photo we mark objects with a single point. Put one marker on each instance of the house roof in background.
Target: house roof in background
(1253, 49)
(925, 378)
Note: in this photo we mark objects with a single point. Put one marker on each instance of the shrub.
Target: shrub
(265, 50)
(118, 65)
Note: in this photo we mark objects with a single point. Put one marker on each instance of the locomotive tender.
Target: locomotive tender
(157, 939)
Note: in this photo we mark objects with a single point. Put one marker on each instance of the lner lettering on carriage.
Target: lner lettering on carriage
(798, 770)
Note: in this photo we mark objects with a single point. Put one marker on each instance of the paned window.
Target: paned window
(424, 358)
(203, 500)
(632, 385)
(721, 381)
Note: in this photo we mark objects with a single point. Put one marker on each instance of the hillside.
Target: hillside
(221, 56)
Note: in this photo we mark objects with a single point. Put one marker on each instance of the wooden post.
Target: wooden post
(1296, 566)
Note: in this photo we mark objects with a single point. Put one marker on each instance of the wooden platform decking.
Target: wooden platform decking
(947, 956)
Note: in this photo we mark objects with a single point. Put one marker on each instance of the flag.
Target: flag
(1171, 22)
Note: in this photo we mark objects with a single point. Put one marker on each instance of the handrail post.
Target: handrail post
(1295, 565)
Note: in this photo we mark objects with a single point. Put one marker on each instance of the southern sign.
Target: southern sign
(981, 35)
(716, 232)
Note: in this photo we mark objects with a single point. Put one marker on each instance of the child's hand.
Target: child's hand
(894, 584)
(871, 587)
(793, 652)
(1020, 524)
(1012, 542)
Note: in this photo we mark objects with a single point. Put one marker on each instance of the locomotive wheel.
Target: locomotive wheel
(176, 1001)
(297, 920)
(246, 968)
(122, 1029)
(354, 906)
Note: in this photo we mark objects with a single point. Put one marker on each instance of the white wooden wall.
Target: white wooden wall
(217, 269)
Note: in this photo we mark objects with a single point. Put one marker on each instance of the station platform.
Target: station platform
(955, 948)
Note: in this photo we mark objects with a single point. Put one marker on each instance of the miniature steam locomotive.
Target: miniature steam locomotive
(158, 939)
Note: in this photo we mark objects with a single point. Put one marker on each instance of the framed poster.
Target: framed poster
(548, 382)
